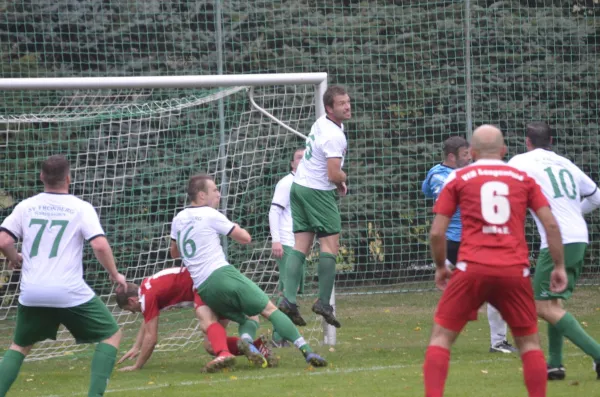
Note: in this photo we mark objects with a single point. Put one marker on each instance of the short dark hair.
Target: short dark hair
(453, 145)
(123, 296)
(539, 134)
(294, 155)
(197, 184)
(55, 170)
(331, 93)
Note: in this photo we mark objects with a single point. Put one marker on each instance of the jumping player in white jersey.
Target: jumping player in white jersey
(314, 205)
(564, 185)
(195, 237)
(282, 233)
(53, 227)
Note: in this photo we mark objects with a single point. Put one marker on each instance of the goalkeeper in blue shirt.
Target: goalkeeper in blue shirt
(456, 155)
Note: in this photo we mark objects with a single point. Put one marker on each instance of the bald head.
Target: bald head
(487, 143)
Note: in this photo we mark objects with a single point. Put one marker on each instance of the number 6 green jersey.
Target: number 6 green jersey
(326, 140)
(564, 185)
(53, 228)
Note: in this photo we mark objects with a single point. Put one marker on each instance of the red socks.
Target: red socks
(534, 372)
(435, 370)
(217, 337)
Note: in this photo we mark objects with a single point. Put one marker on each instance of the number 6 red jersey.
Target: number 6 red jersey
(493, 198)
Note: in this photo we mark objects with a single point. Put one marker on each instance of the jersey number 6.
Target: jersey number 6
(495, 207)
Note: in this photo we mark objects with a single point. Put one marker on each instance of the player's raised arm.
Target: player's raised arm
(240, 234)
(589, 193)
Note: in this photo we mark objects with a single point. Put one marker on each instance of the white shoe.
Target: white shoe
(503, 347)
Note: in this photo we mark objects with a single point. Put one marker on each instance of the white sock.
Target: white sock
(247, 338)
(497, 325)
(299, 342)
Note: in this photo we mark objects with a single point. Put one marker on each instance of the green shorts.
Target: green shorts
(282, 269)
(315, 211)
(232, 295)
(574, 254)
(89, 322)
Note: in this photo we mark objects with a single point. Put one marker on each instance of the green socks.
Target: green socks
(326, 273)
(555, 346)
(293, 270)
(570, 328)
(248, 330)
(102, 366)
(9, 369)
(288, 331)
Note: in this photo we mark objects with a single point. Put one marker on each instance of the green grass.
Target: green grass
(379, 353)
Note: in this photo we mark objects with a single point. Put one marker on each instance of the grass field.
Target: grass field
(379, 353)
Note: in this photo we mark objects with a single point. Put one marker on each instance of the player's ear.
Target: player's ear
(504, 151)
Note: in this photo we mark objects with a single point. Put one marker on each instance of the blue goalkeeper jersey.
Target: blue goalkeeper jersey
(432, 186)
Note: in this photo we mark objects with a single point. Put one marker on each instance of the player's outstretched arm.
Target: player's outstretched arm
(7, 246)
(105, 256)
(137, 346)
(148, 343)
(240, 235)
(437, 240)
(558, 278)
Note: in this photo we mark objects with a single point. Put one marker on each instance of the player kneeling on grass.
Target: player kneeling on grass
(195, 236)
(493, 258)
(172, 288)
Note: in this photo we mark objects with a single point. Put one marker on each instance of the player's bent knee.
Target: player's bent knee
(526, 343)
(24, 350)
(115, 339)
(268, 310)
(443, 337)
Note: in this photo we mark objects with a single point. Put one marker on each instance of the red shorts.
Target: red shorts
(467, 291)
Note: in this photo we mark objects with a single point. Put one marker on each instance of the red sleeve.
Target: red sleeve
(149, 305)
(447, 201)
(535, 197)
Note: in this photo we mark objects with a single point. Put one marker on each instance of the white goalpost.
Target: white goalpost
(133, 142)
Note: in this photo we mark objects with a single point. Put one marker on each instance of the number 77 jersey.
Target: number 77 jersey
(564, 185)
(493, 199)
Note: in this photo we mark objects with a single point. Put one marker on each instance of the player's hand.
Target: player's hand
(17, 264)
(277, 250)
(558, 280)
(129, 369)
(131, 354)
(342, 189)
(441, 277)
(120, 280)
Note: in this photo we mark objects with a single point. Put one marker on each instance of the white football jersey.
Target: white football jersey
(564, 185)
(281, 198)
(53, 228)
(196, 231)
(326, 140)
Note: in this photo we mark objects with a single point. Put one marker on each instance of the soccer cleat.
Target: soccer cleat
(315, 360)
(224, 360)
(327, 312)
(503, 347)
(252, 354)
(556, 373)
(272, 359)
(596, 368)
(291, 310)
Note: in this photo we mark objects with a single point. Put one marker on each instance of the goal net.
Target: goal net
(132, 151)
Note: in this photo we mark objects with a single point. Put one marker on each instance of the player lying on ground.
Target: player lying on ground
(195, 236)
(53, 227)
(493, 259)
(564, 186)
(172, 288)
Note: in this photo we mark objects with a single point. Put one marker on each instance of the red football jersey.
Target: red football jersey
(167, 289)
(493, 199)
